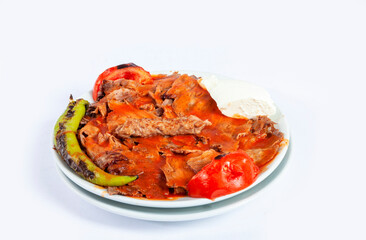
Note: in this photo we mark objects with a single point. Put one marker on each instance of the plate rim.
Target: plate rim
(142, 213)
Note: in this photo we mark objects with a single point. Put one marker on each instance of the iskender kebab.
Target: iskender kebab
(162, 136)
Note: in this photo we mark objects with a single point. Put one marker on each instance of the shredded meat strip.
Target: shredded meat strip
(109, 157)
(154, 127)
(198, 162)
(178, 169)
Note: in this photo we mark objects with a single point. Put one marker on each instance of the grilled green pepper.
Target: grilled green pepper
(68, 147)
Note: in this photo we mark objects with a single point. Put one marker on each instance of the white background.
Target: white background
(310, 55)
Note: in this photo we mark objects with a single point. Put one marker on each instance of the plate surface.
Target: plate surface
(185, 201)
(178, 214)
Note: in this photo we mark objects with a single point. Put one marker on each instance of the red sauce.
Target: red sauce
(147, 156)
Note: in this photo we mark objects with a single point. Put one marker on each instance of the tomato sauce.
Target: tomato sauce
(161, 161)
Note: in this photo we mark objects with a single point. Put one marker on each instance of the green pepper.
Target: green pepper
(68, 147)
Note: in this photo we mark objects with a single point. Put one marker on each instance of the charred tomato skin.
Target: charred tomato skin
(128, 71)
(126, 65)
(224, 175)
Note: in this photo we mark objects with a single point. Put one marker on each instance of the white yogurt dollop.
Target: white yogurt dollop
(239, 98)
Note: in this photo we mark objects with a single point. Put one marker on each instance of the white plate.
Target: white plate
(185, 201)
(177, 214)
